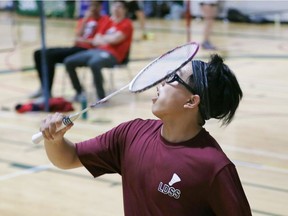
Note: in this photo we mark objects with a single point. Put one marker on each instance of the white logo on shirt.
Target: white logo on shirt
(89, 28)
(175, 178)
(167, 189)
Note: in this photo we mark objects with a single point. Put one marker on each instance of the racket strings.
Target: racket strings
(163, 66)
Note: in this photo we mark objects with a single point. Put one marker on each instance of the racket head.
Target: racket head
(163, 66)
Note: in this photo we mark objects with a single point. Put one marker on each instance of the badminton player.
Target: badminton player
(170, 165)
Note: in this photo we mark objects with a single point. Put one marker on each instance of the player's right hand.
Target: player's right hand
(50, 127)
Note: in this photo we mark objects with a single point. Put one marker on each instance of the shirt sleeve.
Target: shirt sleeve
(104, 153)
(126, 28)
(227, 196)
(104, 25)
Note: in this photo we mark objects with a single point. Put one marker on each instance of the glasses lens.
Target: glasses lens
(171, 78)
(175, 77)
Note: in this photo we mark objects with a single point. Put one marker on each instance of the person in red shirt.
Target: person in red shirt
(171, 165)
(86, 29)
(112, 44)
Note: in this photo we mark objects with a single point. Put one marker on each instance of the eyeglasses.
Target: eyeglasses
(175, 77)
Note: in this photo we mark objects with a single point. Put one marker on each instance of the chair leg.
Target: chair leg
(111, 79)
(111, 76)
(63, 86)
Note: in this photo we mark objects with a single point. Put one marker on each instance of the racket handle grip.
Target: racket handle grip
(38, 137)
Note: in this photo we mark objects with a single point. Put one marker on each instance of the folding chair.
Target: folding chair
(123, 65)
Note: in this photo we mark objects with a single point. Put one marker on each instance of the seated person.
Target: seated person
(113, 43)
(86, 29)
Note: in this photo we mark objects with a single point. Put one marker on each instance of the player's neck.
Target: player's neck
(179, 132)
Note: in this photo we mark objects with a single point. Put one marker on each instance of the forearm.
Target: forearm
(112, 39)
(82, 40)
(108, 39)
(99, 41)
(62, 153)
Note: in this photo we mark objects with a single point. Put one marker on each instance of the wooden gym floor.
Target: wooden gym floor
(256, 141)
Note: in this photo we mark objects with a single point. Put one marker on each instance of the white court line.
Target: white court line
(259, 153)
(260, 166)
(26, 171)
(256, 152)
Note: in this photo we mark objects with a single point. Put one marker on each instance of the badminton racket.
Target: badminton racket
(151, 75)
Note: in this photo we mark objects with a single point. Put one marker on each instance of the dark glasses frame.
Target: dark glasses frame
(176, 77)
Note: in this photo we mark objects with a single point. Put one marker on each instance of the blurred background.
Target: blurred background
(252, 36)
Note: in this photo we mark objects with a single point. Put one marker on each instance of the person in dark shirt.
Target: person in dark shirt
(170, 165)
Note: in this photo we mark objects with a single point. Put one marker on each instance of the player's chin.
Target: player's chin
(156, 108)
(154, 105)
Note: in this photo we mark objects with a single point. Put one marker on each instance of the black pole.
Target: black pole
(45, 87)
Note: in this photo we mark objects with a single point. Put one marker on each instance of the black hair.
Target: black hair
(224, 92)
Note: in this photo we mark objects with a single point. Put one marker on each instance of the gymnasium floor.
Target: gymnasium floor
(256, 141)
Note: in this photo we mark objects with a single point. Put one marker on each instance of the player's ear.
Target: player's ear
(192, 102)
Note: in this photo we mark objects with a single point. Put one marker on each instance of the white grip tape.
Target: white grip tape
(38, 137)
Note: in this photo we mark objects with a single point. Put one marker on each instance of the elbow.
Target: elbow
(64, 166)
(67, 164)
(61, 165)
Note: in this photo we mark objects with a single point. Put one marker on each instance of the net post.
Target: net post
(44, 69)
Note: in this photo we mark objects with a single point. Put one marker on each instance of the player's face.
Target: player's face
(172, 96)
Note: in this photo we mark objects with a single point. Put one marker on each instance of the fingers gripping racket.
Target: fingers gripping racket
(151, 75)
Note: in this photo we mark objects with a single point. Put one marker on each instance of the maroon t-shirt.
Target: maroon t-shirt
(193, 177)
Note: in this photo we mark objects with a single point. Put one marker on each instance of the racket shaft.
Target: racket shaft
(103, 100)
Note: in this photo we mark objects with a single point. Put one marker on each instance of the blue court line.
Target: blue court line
(26, 171)
(17, 70)
(29, 169)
